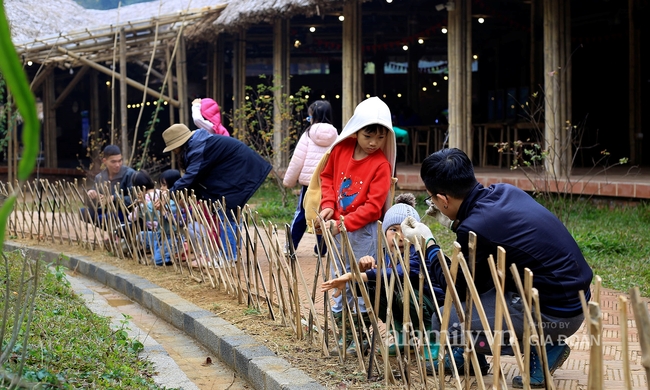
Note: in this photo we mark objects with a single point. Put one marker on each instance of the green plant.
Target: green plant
(252, 311)
(67, 346)
(254, 123)
(23, 305)
(267, 202)
(547, 162)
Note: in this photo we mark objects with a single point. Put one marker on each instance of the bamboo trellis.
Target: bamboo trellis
(269, 277)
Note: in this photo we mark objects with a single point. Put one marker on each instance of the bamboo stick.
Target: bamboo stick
(622, 310)
(595, 320)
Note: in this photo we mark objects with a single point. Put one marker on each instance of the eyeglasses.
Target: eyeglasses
(430, 203)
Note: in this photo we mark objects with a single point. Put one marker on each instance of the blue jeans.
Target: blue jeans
(228, 235)
(364, 243)
(299, 225)
(153, 241)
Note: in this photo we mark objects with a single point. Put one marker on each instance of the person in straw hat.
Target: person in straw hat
(216, 167)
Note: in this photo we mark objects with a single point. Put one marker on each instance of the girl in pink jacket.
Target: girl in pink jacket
(314, 142)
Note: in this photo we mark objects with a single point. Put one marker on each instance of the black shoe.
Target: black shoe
(556, 355)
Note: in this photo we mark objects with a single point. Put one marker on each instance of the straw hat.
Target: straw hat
(176, 135)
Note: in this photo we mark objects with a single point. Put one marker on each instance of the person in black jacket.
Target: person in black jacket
(217, 167)
(111, 184)
(503, 215)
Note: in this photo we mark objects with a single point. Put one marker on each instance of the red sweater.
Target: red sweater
(356, 189)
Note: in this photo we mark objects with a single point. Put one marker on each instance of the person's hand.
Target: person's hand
(413, 230)
(196, 101)
(92, 194)
(326, 214)
(366, 263)
(337, 283)
(439, 216)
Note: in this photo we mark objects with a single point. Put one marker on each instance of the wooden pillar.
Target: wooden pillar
(170, 84)
(181, 80)
(95, 116)
(553, 110)
(239, 78)
(459, 41)
(124, 119)
(635, 132)
(352, 59)
(215, 88)
(49, 124)
(282, 89)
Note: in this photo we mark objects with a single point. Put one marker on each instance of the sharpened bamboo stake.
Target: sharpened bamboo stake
(643, 324)
(622, 310)
(450, 296)
(595, 320)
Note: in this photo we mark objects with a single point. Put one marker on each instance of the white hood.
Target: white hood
(369, 112)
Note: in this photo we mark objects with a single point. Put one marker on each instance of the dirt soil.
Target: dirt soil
(276, 336)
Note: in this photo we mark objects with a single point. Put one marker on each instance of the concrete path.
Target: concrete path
(180, 361)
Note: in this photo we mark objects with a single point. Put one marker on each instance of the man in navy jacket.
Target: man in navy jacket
(503, 215)
(217, 166)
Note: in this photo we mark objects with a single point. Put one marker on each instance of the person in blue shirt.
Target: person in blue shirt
(502, 215)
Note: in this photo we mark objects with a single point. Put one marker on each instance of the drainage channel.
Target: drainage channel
(180, 361)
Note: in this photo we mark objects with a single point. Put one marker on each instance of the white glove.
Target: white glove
(439, 216)
(413, 230)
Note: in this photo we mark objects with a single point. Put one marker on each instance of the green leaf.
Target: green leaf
(12, 70)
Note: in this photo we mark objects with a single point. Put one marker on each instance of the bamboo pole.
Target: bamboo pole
(129, 81)
(643, 325)
(622, 311)
(595, 321)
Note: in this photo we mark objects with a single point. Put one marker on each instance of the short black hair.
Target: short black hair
(375, 129)
(142, 179)
(169, 177)
(448, 171)
(111, 150)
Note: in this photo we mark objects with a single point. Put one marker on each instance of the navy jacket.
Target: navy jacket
(218, 166)
(533, 237)
(414, 272)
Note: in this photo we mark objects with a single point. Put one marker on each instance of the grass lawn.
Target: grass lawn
(615, 239)
(68, 346)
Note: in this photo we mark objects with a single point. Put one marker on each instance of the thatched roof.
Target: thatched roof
(37, 19)
(41, 29)
(242, 13)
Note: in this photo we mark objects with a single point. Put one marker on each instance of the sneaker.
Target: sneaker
(352, 348)
(457, 353)
(556, 355)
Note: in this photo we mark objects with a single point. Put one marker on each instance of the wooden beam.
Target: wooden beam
(49, 130)
(95, 121)
(124, 116)
(151, 70)
(129, 81)
(351, 53)
(40, 77)
(80, 74)
(281, 84)
(181, 77)
(239, 77)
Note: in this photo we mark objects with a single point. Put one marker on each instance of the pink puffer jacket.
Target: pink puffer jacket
(207, 116)
(308, 152)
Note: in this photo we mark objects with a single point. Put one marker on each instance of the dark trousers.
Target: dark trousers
(299, 225)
